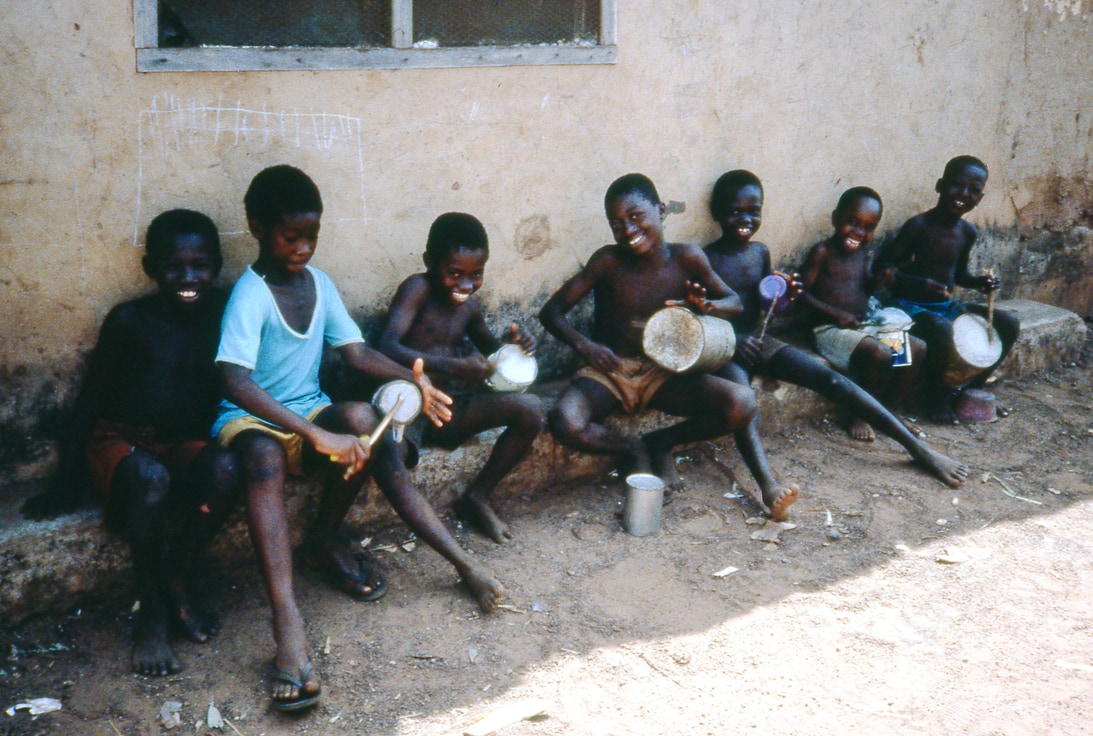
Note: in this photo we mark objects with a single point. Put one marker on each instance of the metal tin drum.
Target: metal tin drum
(388, 394)
(644, 500)
(678, 340)
(976, 347)
(514, 370)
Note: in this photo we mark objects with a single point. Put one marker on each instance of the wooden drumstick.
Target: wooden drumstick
(371, 440)
(990, 309)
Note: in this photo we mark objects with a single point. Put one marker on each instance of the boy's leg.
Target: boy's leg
(522, 416)
(264, 468)
(871, 367)
(324, 547)
(393, 478)
(1008, 327)
(202, 502)
(577, 421)
(713, 406)
(798, 367)
(139, 498)
(937, 333)
(777, 500)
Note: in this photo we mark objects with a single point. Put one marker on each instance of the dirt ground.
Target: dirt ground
(849, 623)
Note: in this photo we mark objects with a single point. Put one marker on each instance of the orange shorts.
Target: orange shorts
(634, 386)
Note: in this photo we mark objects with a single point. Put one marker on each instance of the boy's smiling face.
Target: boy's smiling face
(636, 223)
(289, 244)
(855, 223)
(741, 213)
(459, 274)
(961, 191)
(185, 271)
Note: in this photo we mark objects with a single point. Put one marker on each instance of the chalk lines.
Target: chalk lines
(171, 132)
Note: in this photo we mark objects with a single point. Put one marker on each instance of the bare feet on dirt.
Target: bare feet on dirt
(479, 515)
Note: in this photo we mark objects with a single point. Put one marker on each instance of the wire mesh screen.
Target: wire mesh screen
(275, 23)
(367, 23)
(506, 22)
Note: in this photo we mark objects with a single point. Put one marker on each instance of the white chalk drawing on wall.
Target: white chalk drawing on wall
(187, 152)
(1062, 7)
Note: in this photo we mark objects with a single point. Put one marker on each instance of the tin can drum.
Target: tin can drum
(679, 340)
(386, 399)
(976, 347)
(515, 370)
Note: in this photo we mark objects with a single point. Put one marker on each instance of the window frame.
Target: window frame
(401, 55)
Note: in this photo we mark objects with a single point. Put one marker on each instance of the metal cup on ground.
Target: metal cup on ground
(514, 370)
(386, 399)
(678, 340)
(644, 501)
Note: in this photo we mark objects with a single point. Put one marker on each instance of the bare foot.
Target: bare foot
(483, 518)
(950, 472)
(197, 622)
(486, 588)
(860, 430)
(664, 467)
(778, 502)
(152, 653)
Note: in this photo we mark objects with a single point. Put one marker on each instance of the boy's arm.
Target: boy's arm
(553, 314)
(374, 364)
(890, 260)
(810, 274)
(409, 300)
(69, 483)
(241, 389)
(985, 283)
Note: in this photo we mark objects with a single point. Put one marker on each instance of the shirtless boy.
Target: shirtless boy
(140, 430)
(929, 258)
(431, 317)
(630, 281)
(737, 206)
(280, 314)
(837, 286)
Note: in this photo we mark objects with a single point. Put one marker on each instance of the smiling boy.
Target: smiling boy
(630, 280)
(929, 258)
(837, 287)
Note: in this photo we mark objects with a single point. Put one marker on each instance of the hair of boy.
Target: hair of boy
(631, 184)
(278, 191)
(454, 230)
(853, 194)
(166, 226)
(957, 164)
(729, 184)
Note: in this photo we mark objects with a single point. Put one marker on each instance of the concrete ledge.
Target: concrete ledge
(50, 565)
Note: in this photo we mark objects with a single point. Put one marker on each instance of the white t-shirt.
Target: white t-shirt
(284, 362)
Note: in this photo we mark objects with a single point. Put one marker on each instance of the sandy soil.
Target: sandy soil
(848, 624)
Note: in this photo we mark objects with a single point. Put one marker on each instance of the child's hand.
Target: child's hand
(846, 320)
(988, 283)
(600, 357)
(344, 449)
(938, 288)
(474, 368)
(750, 350)
(434, 402)
(695, 299)
(885, 278)
(794, 287)
(517, 336)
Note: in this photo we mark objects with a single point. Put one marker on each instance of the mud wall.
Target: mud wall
(811, 95)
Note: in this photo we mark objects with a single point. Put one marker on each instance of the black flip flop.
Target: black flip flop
(300, 702)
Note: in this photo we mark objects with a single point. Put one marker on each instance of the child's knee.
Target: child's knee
(531, 414)
(564, 424)
(359, 417)
(225, 470)
(739, 406)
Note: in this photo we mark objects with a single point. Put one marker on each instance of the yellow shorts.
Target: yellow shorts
(292, 442)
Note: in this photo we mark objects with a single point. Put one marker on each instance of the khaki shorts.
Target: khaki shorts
(292, 442)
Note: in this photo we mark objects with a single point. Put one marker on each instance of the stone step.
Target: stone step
(51, 565)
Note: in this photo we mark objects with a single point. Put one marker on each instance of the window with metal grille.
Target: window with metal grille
(222, 35)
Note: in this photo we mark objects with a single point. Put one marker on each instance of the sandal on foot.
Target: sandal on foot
(302, 700)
